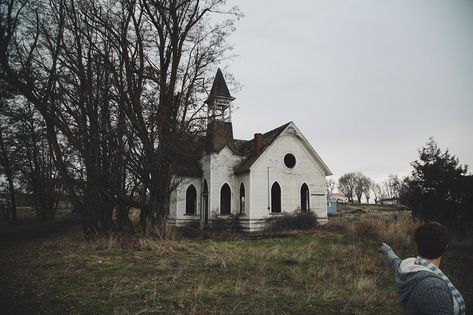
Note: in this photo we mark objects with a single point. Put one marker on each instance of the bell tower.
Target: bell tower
(219, 116)
(219, 107)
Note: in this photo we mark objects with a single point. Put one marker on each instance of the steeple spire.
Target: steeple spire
(219, 100)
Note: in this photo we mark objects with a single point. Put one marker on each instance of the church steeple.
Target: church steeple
(219, 100)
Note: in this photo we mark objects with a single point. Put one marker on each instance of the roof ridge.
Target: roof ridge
(282, 127)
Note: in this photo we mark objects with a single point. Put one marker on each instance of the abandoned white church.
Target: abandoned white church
(275, 172)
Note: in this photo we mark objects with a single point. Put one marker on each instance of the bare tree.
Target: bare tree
(392, 186)
(362, 185)
(187, 45)
(377, 191)
(330, 186)
(367, 188)
(119, 86)
(347, 184)
(33, 158)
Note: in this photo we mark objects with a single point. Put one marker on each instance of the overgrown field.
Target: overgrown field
(330, 270)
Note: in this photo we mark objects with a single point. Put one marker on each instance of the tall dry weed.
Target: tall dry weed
(109, 242)
(396, 230)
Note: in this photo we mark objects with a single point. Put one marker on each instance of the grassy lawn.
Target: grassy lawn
(317, 272)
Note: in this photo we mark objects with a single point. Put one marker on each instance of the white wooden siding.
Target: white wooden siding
(270, 168)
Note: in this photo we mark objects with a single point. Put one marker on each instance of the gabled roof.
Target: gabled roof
(219, 87)
(187, 163)
(247, 148)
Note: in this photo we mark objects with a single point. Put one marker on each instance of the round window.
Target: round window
(289, 160)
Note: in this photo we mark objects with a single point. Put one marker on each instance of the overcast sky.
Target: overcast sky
(366, 81)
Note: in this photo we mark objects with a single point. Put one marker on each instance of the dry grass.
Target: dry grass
(324, 272)
(297, 274)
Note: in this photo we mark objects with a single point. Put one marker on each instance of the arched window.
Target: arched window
(242, 198)
(191, 200)
(276, 198)
(305, 205)
(206, 202)
(225, 199)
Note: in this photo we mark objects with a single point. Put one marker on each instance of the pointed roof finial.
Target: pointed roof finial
(219, 87)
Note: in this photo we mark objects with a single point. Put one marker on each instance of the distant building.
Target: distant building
(338, 198)
(388, 201)
(222, 177)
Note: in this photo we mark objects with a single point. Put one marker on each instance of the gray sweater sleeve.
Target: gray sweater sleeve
(392, 258)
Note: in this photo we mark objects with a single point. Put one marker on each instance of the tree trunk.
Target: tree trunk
(11, 189)
(9, 174)
(123, 220)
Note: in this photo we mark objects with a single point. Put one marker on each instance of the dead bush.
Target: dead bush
(368, 228)
(337, 224)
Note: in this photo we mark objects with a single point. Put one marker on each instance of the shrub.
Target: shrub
(290, 221)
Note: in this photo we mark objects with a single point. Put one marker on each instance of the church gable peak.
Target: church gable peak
(291, 129)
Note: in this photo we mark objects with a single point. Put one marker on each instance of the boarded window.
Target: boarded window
(275, 198)
(191, 200)
(305, 206)
(225, 199)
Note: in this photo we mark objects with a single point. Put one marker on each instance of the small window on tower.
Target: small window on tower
(289, 160)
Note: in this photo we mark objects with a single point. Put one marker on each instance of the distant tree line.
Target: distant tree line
(357, 185)
(99, 98)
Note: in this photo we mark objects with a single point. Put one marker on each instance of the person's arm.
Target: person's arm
(392, 258)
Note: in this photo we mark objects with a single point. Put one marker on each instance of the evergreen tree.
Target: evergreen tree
(439, 187)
